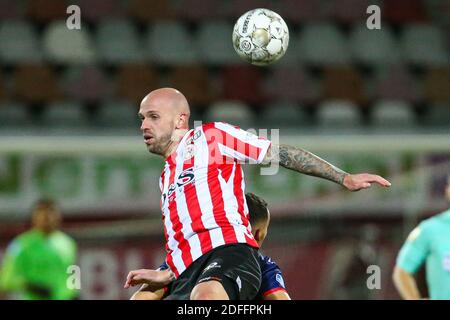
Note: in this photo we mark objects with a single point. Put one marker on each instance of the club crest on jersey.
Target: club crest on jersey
(189, 152)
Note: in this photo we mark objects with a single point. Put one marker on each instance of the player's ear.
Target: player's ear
(182, 121)
(257, 235)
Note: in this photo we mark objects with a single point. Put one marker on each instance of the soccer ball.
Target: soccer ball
(260, 36)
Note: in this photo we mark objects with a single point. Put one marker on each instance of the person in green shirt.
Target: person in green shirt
(428, 243)
(36, 262)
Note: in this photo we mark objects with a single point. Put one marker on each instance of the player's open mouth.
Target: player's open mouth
(148, 138)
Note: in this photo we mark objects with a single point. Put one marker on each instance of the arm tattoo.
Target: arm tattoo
(305, 162)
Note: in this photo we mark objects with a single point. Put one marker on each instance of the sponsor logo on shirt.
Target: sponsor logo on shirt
(280, 279)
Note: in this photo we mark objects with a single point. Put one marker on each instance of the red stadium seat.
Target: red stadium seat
(289, 83)
(146, 11)
(87, 84)
(403, 11)
(243, 83)
(300, 11)
(35, 84)
(349, 11)
(395, 83)
(134, 81)
(194, 83)
(195, 10)
(95, 10)
(11, 9)
(437, 86)
(47, 10)
(343, 83)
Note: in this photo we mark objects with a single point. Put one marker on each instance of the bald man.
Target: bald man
(211, 251)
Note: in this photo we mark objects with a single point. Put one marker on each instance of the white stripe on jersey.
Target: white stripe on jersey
(185, 219)
(235, 154)
(204, 199)
(171, 241)
(231, 206)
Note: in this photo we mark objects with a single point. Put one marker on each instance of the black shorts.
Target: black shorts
(235, 266)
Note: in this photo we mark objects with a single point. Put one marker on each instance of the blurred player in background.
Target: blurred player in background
(35, 263)
(202, 186)
(428, 243)
(156, 283)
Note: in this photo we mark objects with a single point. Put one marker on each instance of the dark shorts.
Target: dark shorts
(235, 266)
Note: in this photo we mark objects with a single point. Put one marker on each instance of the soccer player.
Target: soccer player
(35, 263)
(202, 194)
(428, 243)
(156, 283)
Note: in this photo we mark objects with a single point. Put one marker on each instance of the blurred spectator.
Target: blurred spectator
(36, 262)
(428, 243)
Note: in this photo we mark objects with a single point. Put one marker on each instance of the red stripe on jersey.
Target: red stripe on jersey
(183, 244)
(215, 191)
(239, 194)
(240, 146)
(195, 212)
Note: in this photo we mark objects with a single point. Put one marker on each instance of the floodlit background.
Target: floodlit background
(366, 100)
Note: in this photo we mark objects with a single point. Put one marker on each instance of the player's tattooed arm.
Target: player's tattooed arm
(305, 162)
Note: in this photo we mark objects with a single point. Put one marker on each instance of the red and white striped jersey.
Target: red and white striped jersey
(203, 192)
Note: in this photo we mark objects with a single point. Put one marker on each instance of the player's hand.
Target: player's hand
(153, 278)
(355, 182)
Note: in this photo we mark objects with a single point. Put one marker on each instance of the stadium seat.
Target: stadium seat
(239, 7)
(44, 11)
(118, 41)
(194, 83)
(290, 83)
(349, 11)
(118, 113)
(170, 43)
(219, 49)
(437, 85)
(392, 114)
(86, 83)
(424, 45)
(96, 10)
(374, 47)
(344, 83)
(65, 46)
(146, 11)
(334, 114)
(13, 114)
(242, 83)
(3, 89)
(280, 113)
(438, 115)
(401, 11)
(11, 10)
(35, 84)
(322, 44)
(230, 111)
(300, 11)
(18, 42)
(395, 83)
(198, 10)
(64, 114)
(134, 81)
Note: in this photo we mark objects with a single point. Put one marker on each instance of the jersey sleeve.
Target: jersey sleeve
(232, 142)
(415, 249)
(271, 278)
(11, 278)
(163, 266)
